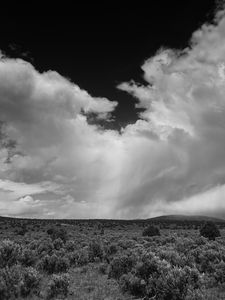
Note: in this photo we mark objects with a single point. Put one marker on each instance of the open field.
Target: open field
(109, 259)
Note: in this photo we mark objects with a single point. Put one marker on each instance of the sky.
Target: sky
(113, 113)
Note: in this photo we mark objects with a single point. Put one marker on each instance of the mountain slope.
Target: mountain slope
(186, 218)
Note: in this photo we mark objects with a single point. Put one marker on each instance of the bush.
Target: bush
(95, 251)
(208, 259)
(9, 253)
(132, 284)
(175, 283)
(22, 230)
(45, 247)
(151, 231)
(83, 257)
(153, 278)
(9, 283)
(58, 244)
(111, 249)
(219, 274)
(210, 230)
(15, 282)
(28, 257)
(149, 265)
(53, 264)
(30, 281)
(58, 286)
(70, 246)
(73, 258)
(173, 257)
(50, 231)
(120, 265)
(103, 267)
(33, 245)
(58, 233)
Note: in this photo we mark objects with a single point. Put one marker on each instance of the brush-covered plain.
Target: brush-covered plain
(97, 259)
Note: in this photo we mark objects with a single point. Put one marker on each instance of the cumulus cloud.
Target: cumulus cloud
(45, 115)
(183, 121)
(53, 163)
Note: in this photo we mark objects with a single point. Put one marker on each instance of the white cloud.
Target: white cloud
(171, 160)
(183, 120)
(55, 144)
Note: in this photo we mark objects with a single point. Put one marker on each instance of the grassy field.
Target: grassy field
(109, 260)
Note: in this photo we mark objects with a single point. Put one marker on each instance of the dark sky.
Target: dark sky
(99, 47)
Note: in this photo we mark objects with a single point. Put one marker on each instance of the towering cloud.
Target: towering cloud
(172, 160)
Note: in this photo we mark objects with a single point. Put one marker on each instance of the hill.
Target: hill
(186, 218)
(166, 220)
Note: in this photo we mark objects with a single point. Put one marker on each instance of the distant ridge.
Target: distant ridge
(164, 218)
(186, 218)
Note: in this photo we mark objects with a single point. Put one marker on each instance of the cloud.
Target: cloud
(183, 121)
(57, 153)
(171, 160)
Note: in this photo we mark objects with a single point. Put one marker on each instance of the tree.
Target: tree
(210, 230)
(151, 231)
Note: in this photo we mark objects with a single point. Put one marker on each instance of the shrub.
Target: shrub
(219, 274)
(73, 257)
(58, 232)
(95, 251)
(70, 246)
(58, 286)
(210, 230)
(148, 266)
(22, 230)
(58, 244)
(28, 257)
(208, 259)
(9, 283)
(132, 284)
(50, 231)
(53, 264)
(151, 231)
(15, 282)
(173, 257)
(103, 268)
(126, 244)
(9, 253)
(83, 257)
(33, 245)
(175, 283)
(201, 241)
(154, 278)
(111, 249)
(195, 294)
(30, 281)
(120, 265)
(45, 247)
